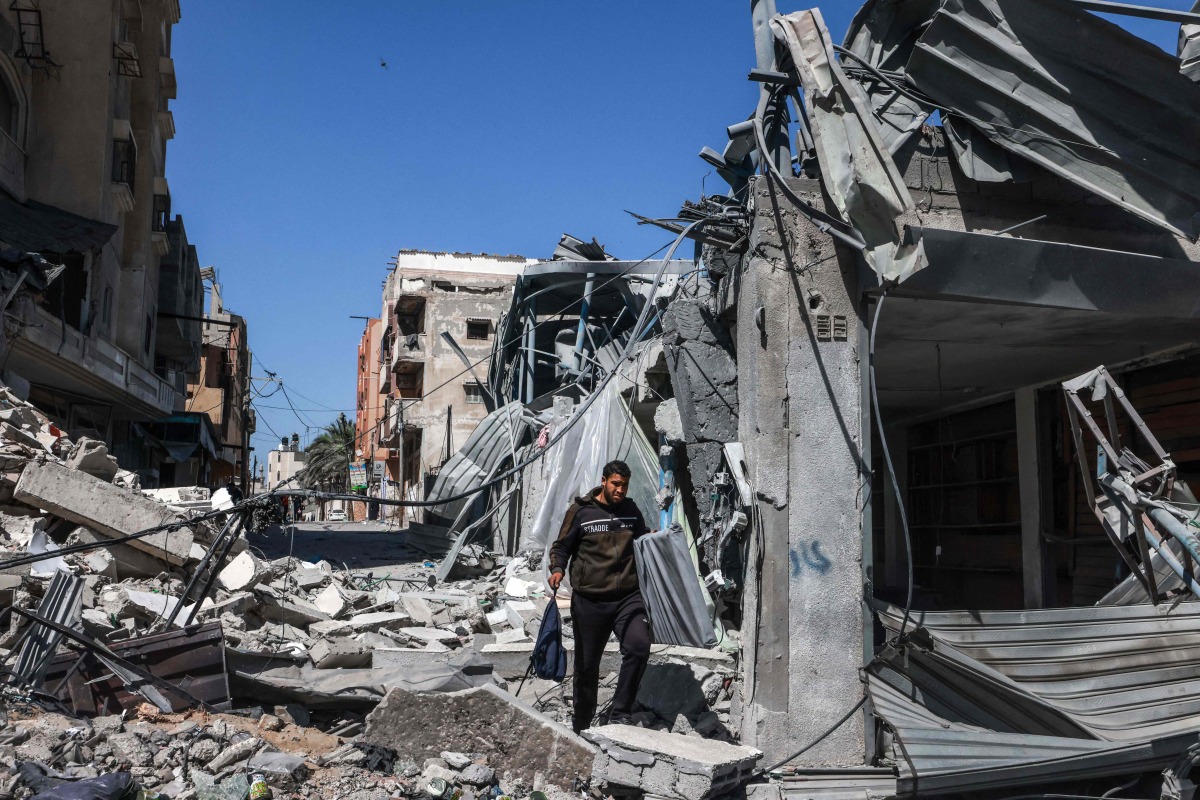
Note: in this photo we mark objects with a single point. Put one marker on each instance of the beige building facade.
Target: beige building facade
(85, 119)
(431, 402)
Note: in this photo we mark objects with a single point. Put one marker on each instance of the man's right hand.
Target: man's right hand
(555, 580)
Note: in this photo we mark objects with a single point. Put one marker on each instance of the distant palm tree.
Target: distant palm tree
(328, 457)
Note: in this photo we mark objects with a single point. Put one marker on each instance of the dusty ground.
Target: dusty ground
(357, 545)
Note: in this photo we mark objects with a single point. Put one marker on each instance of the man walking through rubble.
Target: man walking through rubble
(596, 543)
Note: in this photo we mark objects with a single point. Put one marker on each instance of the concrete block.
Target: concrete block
(308, 578)
(123, 561)
(103, 508)
(510, 636)
(668, 764)
(487, 720)
(455, 760)
(242, 573)
(521, 611)
(21, 527)
(409, 657)
(291, 610)
(379, 620)
(339, 653)
(477, 775)
(91, 456)
(331, 600)
(427, 635)
(418, 608)
(331, 628)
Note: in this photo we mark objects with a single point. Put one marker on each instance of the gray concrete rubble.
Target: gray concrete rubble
(669, 764)
(510, 734)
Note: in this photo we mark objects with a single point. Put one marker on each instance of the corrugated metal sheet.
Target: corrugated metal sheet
(1120, 673)
(936, 756)
(495, 438)
(839, 784)
(1074, 94)
(62, 603)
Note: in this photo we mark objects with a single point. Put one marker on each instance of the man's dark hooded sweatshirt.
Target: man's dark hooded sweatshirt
(597, 539)
(596, 544)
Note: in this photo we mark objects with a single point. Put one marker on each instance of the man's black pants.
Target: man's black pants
(593, 621)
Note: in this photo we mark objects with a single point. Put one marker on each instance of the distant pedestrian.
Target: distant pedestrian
(235, 493)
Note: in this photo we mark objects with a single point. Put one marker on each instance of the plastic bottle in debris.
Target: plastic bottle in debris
(259, 790)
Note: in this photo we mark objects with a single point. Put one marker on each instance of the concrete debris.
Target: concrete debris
(343, 683)
(669, 764)
(508, 733)
(243, 572)
(103, 508)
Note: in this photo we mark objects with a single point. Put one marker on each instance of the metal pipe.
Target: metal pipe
(187, 591)
(583, 315)
(775, 107)
(212, 575)
(530, 364)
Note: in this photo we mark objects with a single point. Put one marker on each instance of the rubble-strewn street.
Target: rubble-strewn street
(878, 479)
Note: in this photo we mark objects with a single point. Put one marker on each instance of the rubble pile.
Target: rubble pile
(191, 666)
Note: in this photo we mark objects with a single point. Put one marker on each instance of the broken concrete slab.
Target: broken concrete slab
(331, 600)
(669, 764)
(426, 635)
(379, 620)
(291, 610)
(242, 573)
(487, 720)
(409, 657)
(104, 509)
(339, 653)
(91, 456)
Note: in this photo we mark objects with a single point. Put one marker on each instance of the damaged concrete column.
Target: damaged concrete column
(799, 390)
(704, 375)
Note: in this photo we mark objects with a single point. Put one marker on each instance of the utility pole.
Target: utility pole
(774, 106)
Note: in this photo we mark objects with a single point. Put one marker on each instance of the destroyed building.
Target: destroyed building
(436, 306)
(81, 97)
(917, 423)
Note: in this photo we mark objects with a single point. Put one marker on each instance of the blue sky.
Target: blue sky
(301, 165)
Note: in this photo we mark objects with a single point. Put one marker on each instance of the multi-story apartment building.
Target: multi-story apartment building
(85, 90)
(431, 404)
(221, 388)
(284, 462)
(369, 404)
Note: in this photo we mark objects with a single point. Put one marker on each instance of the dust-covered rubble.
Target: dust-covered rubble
(305, 653)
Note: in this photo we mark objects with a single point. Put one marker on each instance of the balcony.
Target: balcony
(56, 355)
(166, 124)
(160, 216)
(166, 74)
(124, 166)
(408, 351)
(410, 381)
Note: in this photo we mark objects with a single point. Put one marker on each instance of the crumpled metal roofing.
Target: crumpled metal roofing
(937, 756)
(496, 437)
(1189, 48)
(1117, 673)
(1073, 93)
(857, 168)
(981, 700)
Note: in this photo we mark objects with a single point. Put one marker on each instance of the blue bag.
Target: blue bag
(549, 659)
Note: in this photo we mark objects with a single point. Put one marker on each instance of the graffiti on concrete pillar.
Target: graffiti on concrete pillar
(808, 558)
